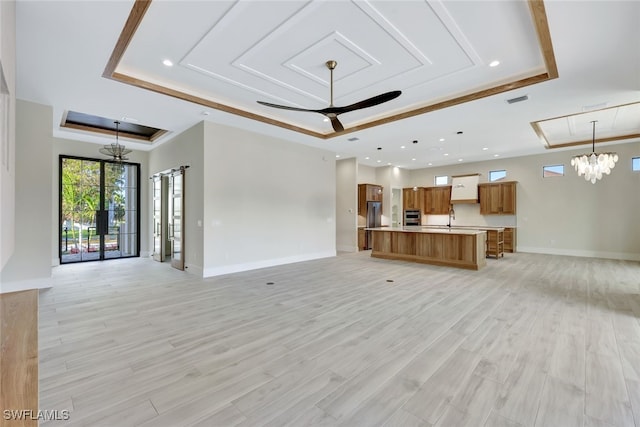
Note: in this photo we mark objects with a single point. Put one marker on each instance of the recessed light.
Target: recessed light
(459, 160)
(167, 63)
(379, 148)
(415, 141)
(430, 164)
(326, 119)
(413, 160)
(494, 63)
(337, 155)
(496, 155)
(403, 147)
(459, 132)
(367, 158)
(446, 154)
(379, 161)
(485, 148)
(441, 139)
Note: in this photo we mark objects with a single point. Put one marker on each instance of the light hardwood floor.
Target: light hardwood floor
(345, 341)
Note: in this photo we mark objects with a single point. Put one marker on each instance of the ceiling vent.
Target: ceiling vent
(355, 138)
(517, 99)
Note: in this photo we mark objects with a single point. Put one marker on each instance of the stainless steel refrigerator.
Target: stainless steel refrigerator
(374, 219)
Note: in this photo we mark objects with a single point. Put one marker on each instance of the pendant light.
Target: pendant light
(117, 151)
(594, 165)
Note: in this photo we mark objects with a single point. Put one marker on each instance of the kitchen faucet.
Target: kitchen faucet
(452, 216)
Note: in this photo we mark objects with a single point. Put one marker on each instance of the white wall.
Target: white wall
(267, 201)
(346, 205)
(562, 215)
(7, 132)
(186, 149)
(30, 264)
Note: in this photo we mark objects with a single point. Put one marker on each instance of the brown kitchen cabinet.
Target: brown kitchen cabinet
(437, 200)
(413, 199)
(495, 243)
(497, 198)
(362, 239)
(509, 239)
(368, 193)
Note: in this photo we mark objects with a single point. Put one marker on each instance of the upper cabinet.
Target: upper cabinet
(497, 198)
(437, 200)
(413, 199)
(368, 193)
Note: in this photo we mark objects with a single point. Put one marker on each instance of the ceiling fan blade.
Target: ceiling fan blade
(370, 102)
(286, 107)
(337, 126)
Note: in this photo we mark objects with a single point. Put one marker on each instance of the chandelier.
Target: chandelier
(117, 151)
(594, 165)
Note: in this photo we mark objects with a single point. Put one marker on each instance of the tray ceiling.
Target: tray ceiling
(234, 53)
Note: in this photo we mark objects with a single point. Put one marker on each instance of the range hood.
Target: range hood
(464, 188)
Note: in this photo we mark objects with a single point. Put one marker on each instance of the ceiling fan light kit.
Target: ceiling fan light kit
(332, 112)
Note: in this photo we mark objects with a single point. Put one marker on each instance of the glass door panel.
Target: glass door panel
(176, 223)
(159, 218)
(98, 210)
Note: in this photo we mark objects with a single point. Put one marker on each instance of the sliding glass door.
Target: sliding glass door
(99, 216)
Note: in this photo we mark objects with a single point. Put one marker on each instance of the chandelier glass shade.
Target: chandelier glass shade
(593, 166)
(117, 151)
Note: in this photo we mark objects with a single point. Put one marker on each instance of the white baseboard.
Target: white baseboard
(345, 248)
(145, 254)
(236, 268)
(624, 256)
(23, 285)
(194, 269)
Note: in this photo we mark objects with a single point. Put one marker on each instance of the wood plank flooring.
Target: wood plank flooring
(530, 340)
(19, 358)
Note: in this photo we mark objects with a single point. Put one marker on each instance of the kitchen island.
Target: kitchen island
(451, 247)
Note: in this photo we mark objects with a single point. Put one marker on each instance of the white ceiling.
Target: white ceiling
(237, 52)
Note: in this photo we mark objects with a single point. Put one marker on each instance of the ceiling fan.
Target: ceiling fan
(331, 111)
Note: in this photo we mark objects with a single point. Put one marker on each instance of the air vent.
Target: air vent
(518, 99)
(355, 138)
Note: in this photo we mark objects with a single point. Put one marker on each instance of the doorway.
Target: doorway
(98, 210)
(168, 217)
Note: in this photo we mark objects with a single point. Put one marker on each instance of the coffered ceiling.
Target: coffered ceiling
(108, 59)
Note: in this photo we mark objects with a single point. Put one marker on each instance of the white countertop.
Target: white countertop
(431, 230)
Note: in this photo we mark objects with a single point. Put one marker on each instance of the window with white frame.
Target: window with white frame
(552, 171)
(635, 164)
(497, 175)
(441, 180)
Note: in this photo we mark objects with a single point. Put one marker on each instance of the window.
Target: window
(552, 170)
(442, 180)
(497, 175)
(635, 164)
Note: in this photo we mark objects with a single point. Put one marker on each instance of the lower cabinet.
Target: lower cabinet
(509, 239)
(495, 243)
(362, 239)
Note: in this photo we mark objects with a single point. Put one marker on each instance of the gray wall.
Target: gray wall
(30, 264)
(7, 129)
(562, 215)
(186, 149)
(346, 205)
(267, 201)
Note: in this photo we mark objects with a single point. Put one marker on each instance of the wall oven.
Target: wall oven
(412, 217)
